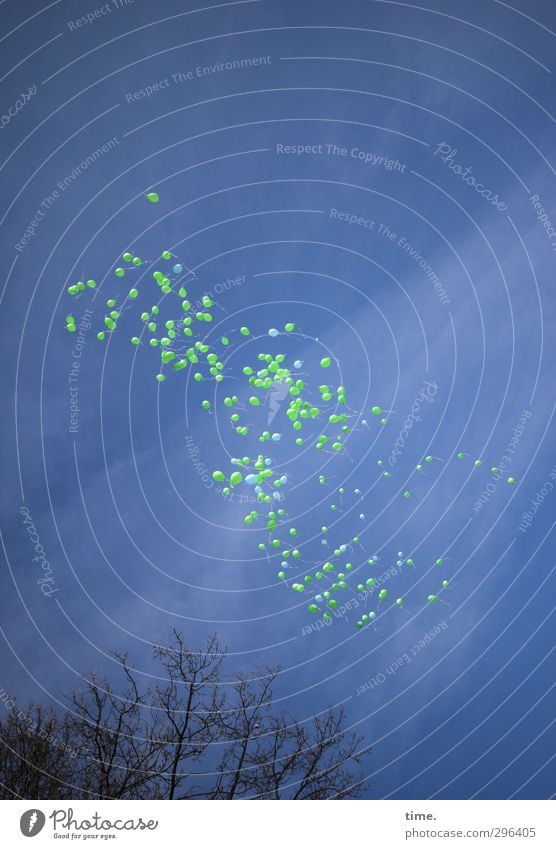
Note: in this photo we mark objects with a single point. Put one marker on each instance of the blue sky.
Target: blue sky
(137, 543)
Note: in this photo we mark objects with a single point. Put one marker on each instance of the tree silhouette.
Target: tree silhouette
(190, 735)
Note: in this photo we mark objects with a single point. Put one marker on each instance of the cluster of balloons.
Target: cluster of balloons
(322, 424)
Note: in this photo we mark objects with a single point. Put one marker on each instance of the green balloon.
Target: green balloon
(511, 480)
(289, 327)
(152, 197)
(254, 401)
(236, 478)
(206, 405)
(218, 476)
(376, 411)
(326, 362)
(432, 598)
(382, 594)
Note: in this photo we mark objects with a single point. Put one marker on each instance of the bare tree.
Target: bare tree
(36, 755)
(120, 742)
(275, 757)
(190, 703)
(190, 735)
